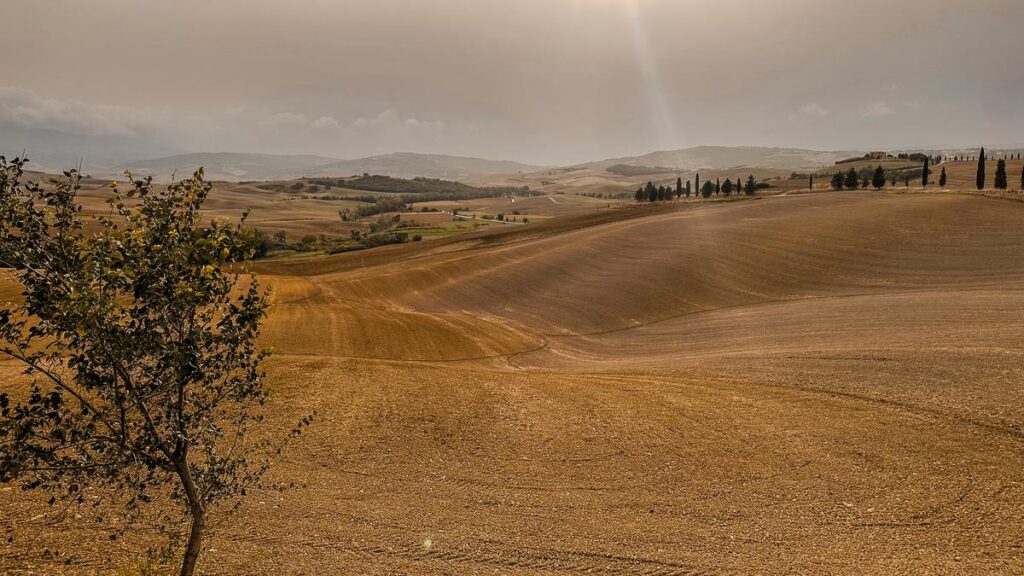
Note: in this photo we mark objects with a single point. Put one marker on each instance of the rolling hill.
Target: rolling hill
(410, 165)
(821, 383)
(232, 166)
(722, 157)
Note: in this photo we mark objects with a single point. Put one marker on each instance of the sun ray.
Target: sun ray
(661, 115)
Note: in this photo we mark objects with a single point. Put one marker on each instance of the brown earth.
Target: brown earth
(810, 384)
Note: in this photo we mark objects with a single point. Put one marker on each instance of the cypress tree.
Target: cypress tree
(688, 190)
(1001, 181)
(639, 194)
(718, 186)
(696, 182)
(679, 187)
(878, 178)
(810, 183)
(980, 180)
(925, 173)
(942, 178)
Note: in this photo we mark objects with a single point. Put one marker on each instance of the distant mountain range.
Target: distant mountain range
(234, 166)
(241, 166)
(410, 165)
(238, 166)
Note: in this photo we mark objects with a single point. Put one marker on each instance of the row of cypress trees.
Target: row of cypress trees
(851, 180)
(652, 193)
(1001, 181)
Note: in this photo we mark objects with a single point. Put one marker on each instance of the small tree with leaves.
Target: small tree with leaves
(140, 345)
(727, 187)
(707, 189)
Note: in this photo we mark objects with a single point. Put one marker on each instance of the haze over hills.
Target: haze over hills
(57, 150)
(411, 165)
(721, 157)
(233, 166)
(109, 162)
(230, 166)
(243, 166)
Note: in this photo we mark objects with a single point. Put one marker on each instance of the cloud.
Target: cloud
(24, 109)
(391, 123)
(879, 109)
(814, 109)
(325, 123)
(237, 128)
(285, 121)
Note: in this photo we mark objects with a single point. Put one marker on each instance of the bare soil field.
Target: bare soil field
(962, 175)
(807, 384)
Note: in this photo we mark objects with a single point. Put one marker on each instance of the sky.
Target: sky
(538, 81)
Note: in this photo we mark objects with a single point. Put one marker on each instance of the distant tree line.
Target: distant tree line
(853, 179)
(608, 195)
(405, 190)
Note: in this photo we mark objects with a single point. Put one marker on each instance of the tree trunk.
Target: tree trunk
(195, 540)
(198, 510)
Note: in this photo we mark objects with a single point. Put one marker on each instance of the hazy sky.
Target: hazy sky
(543, 81)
